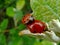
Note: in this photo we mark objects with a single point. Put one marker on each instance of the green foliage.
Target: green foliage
(45, 10)
(10, 12)
(14, 38)
(3, 25)
(16, 42)
(20, 4)
(2, 39)
(13, 31)
(1, 4)
(46, 43)
(18, 16)
(8, 1)
(37, 42)
(21, 27)
(28, 40)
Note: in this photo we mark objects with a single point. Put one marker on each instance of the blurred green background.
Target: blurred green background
(11, 13)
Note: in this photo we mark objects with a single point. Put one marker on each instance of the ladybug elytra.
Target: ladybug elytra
(35, 26)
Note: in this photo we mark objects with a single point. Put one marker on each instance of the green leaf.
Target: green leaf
(45, 10)
(16, 42)
(15, 39)
(8, 1)
(10, 12)
(3, 25)
(12, 31)
(44, 42)
(2, 4)
(18, 15)
(28, 40)
(21, 27)
(2, 39)
(37, 42)
(20, 4)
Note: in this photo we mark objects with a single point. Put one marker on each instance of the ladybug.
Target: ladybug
(35, 26)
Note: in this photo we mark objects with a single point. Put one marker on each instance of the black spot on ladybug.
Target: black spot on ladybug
(27, 19)
(24, 21)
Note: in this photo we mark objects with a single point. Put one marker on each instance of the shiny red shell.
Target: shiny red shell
(36, 26)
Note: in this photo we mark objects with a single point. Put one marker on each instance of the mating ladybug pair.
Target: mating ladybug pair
(35, 26)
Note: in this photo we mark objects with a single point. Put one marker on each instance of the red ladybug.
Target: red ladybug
(35, 26)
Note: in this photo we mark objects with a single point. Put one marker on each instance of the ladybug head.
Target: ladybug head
(27, 18)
